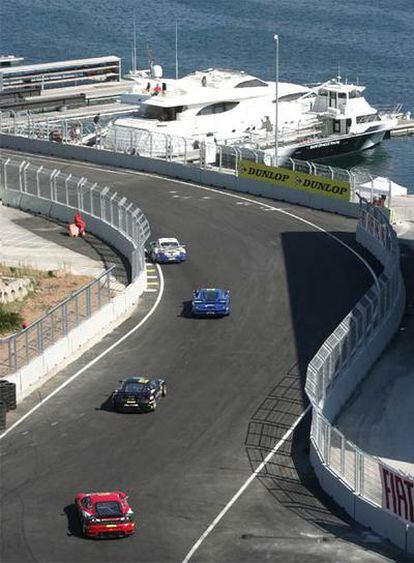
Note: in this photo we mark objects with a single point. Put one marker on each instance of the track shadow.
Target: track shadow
(288, 475)
(107, 405)
(74, 525)
(186, 311)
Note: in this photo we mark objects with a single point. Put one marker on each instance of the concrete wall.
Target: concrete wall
(89, 330)
(359, 508)
(181, 171)
(101, 321)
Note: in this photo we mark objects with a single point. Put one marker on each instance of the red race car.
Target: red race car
(105, 515)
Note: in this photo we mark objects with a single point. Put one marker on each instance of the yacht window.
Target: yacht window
(342, 95)
(332, 99)
(368, 118)
(337, 126)
(354, 94)
(148, 111)
(255, 82)
(220, 107)
(290, 97)
(322, 93)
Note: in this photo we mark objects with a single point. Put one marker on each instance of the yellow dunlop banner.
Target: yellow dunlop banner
(296, 180)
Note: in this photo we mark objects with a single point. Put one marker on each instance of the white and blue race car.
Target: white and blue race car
(165, 250)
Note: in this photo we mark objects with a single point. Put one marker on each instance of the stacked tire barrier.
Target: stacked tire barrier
(346, 473)
(7, 400)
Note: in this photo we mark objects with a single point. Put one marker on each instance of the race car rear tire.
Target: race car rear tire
(164, 389)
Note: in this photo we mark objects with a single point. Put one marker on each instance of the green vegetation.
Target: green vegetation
(9, 320)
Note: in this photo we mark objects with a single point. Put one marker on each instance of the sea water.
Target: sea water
(370, 41)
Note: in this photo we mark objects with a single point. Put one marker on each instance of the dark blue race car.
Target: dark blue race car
(138, 394)
(211, 302)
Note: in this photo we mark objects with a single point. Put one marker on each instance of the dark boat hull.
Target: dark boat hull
(331, 148)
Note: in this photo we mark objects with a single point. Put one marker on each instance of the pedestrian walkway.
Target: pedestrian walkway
(31, 241)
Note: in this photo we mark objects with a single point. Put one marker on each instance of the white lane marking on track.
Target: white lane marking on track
(256, 472)
(150, 290)
(224, 193)
(263, 207)
(92, 362)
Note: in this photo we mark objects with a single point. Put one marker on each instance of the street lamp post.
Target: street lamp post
(276, 38)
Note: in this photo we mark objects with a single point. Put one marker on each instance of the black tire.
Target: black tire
(164, 390)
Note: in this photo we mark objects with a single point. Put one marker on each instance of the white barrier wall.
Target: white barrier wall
(346, 473)
(88, 331)
(121, 224)
(179, 170)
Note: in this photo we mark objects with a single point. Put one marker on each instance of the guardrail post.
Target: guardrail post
(76, 311)
(52, 175)
(38, 171)
(342, 455)
(66, 189)
(91, 189)
(55, 186)
(64, 319)
(111, 207)
(12, 354)
(21, 182)
(5, 173)
(79, 193)
(25, 176)
(88, 302)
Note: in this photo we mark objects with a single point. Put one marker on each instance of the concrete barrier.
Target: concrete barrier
(89, 330)
(386, 300)
(187, 172)
(15, 193)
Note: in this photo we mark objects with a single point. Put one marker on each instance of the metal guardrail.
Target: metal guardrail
(156, 144)
(359, 470)
(53, 186)
(98, 202)
(17, 350)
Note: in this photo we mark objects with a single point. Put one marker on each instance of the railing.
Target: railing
(21, 348)
(157, 144)
(334, 359)
(111, 217)
(71, 192)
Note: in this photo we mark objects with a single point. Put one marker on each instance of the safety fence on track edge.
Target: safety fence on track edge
(362, 473)
(221, 156)
(21, 179)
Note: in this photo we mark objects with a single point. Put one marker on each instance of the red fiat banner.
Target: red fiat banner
(397, 494)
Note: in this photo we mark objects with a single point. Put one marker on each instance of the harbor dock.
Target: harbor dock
(405, 128)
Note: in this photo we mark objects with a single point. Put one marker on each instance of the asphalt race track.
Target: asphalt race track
(290, 286)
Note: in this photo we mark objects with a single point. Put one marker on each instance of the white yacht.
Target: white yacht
(215, 106)
(346, 123)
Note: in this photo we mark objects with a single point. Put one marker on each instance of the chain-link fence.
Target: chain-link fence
(360, 471)
(113, 217)
(21, 348)
(70, 192)
(224, 157)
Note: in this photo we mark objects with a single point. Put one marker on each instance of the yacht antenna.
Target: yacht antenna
(339, 73)
(176, 49)
(149, 56)
(134, 50)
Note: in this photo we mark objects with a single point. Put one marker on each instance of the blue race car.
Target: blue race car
(164, 250)
(211, 302)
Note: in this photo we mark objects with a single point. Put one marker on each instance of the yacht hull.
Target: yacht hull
(331, 148)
